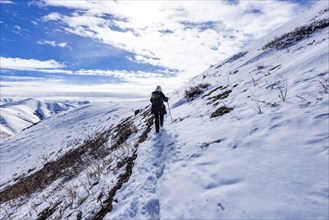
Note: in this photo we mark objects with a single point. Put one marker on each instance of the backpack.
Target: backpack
(157, 99)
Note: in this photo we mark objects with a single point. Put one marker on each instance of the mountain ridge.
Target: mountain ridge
(17, 115)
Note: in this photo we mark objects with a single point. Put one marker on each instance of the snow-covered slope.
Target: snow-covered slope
(6, 100)
(18, 115)
(265, 159)
(248, 140)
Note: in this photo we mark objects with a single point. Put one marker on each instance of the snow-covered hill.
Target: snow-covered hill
(18, 115)
(5, 100)
(248, 140)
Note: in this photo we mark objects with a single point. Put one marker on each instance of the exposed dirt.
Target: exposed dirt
(221, 111)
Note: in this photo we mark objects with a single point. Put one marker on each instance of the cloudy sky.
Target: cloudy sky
(120, 50)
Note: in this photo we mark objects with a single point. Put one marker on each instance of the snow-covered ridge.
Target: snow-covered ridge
(248, 140)
(6, 100)
(18, 115)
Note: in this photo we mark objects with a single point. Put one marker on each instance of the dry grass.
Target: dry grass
(123, 132)
(283, 90)
(221, 95)
(123, 178)
(206, 144)
(221, 111)
(48, 212)
(149, 124)
(66, 167)
(232, 59)
(289, 39)
(324, 84)
(195, 91)
(217, 88)
(94, 148)
(128, 163)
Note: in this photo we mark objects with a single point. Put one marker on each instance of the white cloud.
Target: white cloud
(64, 44)
(28, 64)
(35, 22)
(135, 84)
(52, 66)
(45, 42)
(136, 89)
(52, 43)
(54, 71)
(19, 30)
(21, 78)
(52, 17)
(119, 74)
(6, 2)
(183, 35)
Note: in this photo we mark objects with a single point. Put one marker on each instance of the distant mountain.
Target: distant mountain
(245, 139)
(18, 115)
(5, 100)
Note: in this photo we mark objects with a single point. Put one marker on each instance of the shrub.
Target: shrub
(288, 39)
(195, 91)
(324, 84)
(283, 88)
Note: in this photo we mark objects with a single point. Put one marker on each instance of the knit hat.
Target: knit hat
(158, 88)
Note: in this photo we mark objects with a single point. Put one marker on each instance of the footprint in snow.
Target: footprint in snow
(150, 184)
(152, 207)
(160, 171)
(133, 208)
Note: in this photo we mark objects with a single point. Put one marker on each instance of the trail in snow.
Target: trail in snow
(143, 187)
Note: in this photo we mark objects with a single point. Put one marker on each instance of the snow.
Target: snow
(272, 165)
(60, 133)
(5, 100)
(268, 158)
(18, 115)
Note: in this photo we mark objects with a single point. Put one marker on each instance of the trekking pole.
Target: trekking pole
(170, 112)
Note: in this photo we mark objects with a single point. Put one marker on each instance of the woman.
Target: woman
(158, 108)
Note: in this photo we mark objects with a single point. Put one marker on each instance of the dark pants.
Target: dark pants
(158, 121)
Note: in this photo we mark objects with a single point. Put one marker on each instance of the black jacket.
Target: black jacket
(157, 99)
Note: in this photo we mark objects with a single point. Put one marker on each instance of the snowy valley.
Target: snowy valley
(22, 114)
(249, 139)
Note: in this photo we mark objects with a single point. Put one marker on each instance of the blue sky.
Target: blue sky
(120, 50)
